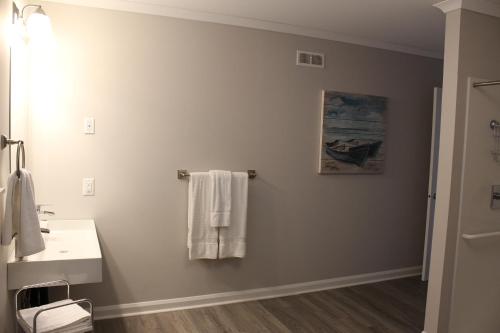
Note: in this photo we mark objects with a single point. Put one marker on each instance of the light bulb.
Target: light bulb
(39, 27)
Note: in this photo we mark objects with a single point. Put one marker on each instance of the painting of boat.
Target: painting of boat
(353, 133)
(353, 151)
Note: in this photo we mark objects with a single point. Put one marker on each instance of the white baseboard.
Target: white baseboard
(133, 309)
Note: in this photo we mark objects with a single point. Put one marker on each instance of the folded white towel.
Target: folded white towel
(70, 318)
(21, 216)
(220, 203)
(202, 238)
(232, 239)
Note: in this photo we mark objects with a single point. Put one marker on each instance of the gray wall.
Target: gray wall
(5, 17)
(169, 94)
(466, 173)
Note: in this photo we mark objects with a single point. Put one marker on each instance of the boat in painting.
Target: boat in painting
(353, 151)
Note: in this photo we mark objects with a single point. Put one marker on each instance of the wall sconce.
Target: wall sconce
(37, 26)
(38, 13)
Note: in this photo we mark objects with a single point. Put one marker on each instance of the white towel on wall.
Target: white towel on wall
(202, 237)
(10, 222)
(220, 203)
(21, 216)
(232, 239)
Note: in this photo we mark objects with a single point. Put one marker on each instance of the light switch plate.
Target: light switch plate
(89, 125)
(88, 186)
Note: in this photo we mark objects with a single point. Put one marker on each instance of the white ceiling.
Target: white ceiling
(411, 26)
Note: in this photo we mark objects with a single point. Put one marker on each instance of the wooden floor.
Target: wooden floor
(387, 307)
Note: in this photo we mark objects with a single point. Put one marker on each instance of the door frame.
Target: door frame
(431, 192)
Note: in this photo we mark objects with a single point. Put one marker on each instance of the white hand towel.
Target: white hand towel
(220, 206)
(232, 239)
(21, 216)
(10, 221)
(202, 238)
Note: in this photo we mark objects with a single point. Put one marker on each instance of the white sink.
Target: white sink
(71, 253)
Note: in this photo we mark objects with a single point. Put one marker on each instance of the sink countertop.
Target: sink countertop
(68, 239)
(71, 252)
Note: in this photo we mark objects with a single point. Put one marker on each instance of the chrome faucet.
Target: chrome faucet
(39, 211)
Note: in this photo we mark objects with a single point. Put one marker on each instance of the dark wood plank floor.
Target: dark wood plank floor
(396, 306)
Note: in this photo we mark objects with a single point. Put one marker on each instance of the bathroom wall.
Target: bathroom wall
(168, 94)
(5, 19)
(466, 173)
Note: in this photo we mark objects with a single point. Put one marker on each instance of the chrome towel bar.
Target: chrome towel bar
(481, 235)
(183, 174)
(486, 83)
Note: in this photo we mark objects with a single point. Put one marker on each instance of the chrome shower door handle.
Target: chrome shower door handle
(495, 197)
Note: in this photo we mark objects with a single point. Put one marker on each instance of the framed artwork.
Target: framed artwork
(353, 133)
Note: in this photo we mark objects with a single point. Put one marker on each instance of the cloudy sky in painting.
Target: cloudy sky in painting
(354, 107)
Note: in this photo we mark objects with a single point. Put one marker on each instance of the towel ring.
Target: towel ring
(20, 152)
(5, 142)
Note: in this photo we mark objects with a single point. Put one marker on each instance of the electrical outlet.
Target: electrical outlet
(88, 186)
(89, 125)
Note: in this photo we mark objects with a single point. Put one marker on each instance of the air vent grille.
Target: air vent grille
(310, 59)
